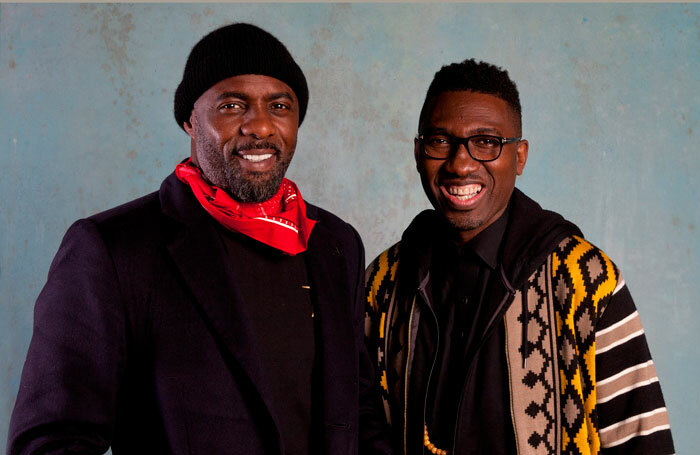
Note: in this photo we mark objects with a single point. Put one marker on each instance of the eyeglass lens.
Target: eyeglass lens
(480, 147)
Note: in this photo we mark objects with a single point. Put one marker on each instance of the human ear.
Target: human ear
(521, 156)
(188, 125)
(416, 153)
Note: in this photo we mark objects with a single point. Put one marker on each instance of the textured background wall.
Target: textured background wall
(610, 96)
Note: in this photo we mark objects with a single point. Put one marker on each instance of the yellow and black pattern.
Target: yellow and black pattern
(380, 288)
(583, 277)
(554, 393)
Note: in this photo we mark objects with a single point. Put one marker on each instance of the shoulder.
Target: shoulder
(333, 226)
(139, 211)
(138, 225)
(380, 275)
(328, 219)
(337, 242)
(582, 269)
(578, 254)
(93, 248)
(387, 261)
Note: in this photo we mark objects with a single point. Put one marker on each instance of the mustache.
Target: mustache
(257, 146)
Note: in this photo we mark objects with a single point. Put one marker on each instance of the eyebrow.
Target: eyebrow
(488, 131)
(245, 97)
(278, 95)
(483, 130)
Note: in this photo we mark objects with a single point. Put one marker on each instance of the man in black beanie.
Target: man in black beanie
(219, 315)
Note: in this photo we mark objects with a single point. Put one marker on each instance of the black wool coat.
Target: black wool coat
(141, 342)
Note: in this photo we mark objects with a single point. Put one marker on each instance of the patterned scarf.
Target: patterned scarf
(279, 222)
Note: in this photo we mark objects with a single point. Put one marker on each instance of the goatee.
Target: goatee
(243, 186)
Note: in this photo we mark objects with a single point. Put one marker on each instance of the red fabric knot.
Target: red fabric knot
(279, 222)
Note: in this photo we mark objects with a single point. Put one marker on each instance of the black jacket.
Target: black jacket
(141, 342)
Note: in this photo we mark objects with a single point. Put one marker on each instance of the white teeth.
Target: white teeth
(256, 158)
(464, 192)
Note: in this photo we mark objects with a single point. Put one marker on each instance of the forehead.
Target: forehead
(470, 109)
(249, 86)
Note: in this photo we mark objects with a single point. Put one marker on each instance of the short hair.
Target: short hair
(470, 75)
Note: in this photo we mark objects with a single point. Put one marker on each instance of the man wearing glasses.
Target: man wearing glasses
(497, 328)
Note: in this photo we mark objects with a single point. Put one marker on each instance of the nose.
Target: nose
(257, 123)
(461, 162)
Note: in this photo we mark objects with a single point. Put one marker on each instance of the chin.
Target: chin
(462, 223)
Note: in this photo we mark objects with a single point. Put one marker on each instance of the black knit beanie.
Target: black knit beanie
(233, 50)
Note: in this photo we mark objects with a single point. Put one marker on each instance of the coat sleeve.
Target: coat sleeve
(374, 429)
(68, 390)
(632, 417)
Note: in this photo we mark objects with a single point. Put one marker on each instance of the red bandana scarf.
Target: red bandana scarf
(279, 222)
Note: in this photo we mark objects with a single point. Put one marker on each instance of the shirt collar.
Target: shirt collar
(488, 242)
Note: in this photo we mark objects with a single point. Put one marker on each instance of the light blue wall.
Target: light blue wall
(610, 98)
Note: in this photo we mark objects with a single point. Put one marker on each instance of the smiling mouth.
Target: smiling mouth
(256, 158)
(464, 192)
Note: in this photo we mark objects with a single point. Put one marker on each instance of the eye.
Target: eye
(280, 107)
(437, 141)
(486, 141)
(233, 106)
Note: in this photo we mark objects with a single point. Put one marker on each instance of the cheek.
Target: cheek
(429, 182)
(217, 135)
(220, 128)
(292, 142)
(429, 171)
(289, 133)
(211, 143)
(504, 179)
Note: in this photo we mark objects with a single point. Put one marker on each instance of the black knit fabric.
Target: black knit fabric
(274, 288)
(234, 50)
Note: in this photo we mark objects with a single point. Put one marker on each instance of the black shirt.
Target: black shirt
(274, 290)
(459, 276)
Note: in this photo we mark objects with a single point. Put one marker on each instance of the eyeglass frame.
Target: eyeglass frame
(456, 141)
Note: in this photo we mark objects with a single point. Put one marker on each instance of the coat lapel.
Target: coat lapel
(333, 300)
(201, 258)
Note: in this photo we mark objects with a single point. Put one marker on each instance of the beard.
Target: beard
(241, 185)
(462, 223)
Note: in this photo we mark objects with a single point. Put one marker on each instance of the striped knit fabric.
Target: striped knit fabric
(583, 325)
(631, 410)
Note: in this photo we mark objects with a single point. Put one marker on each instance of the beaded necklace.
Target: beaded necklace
(430, 446)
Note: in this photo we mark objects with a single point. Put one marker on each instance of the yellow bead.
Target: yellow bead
(429, 445)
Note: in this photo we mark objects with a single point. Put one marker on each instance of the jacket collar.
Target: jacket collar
(530, 235)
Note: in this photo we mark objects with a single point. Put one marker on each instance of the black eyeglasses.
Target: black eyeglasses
(481, 147)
